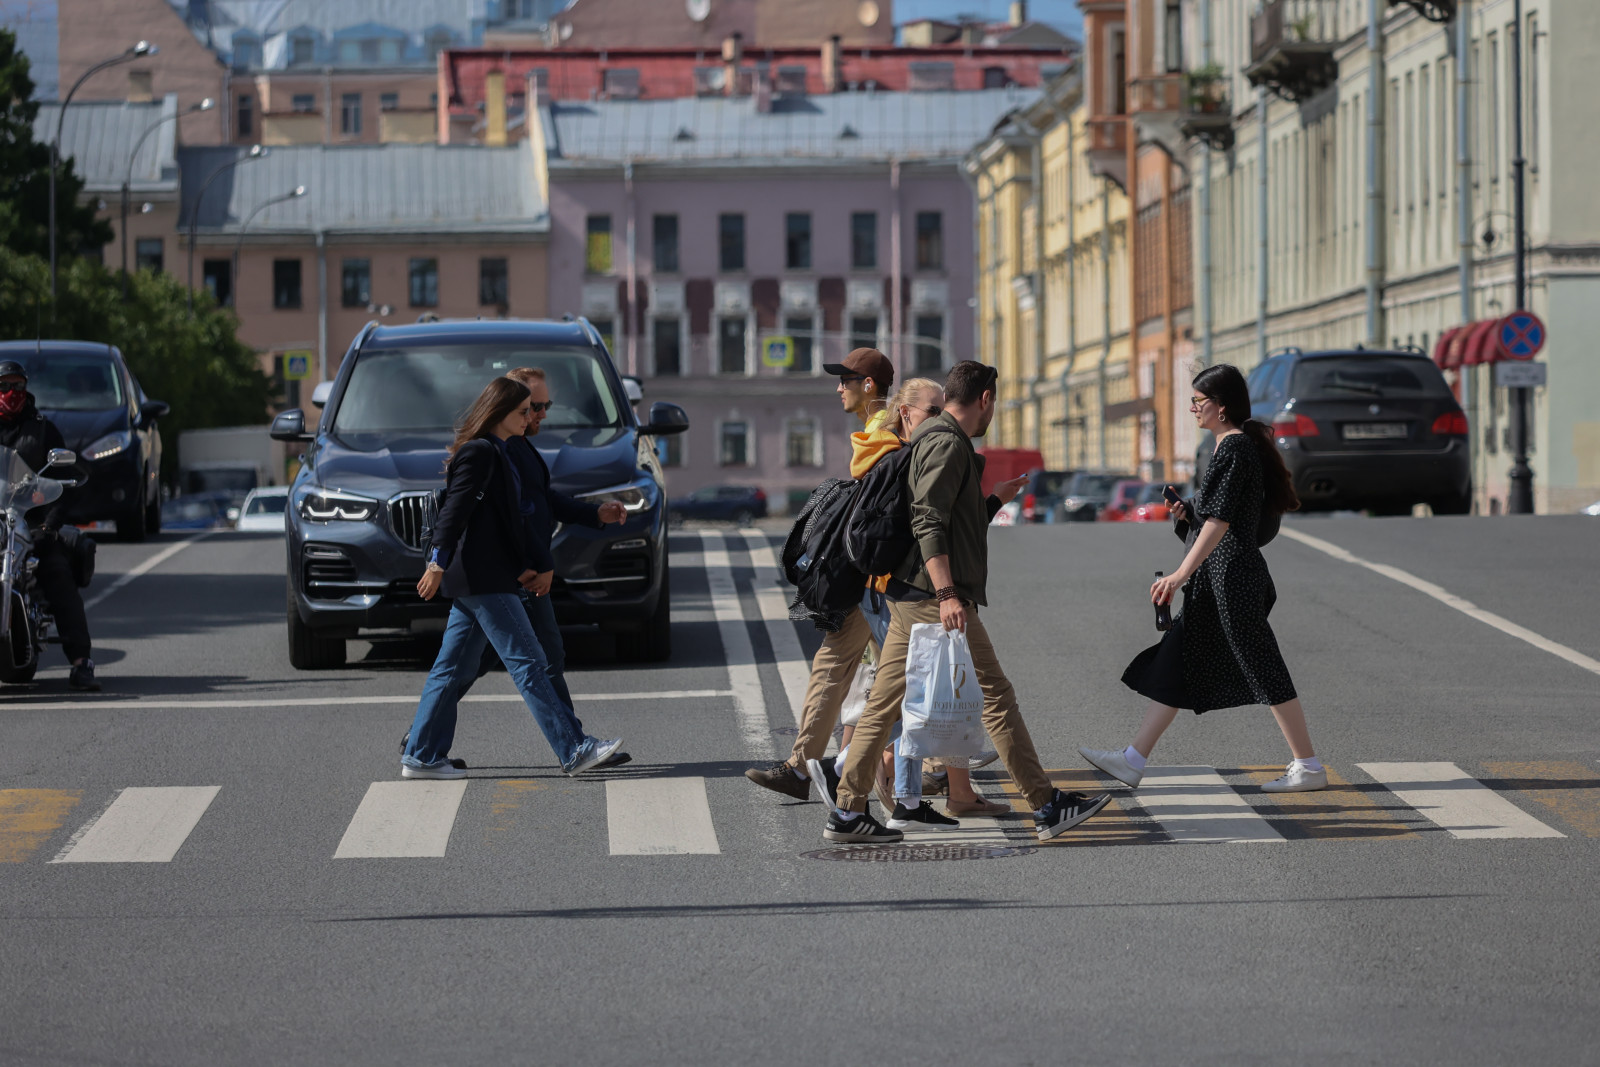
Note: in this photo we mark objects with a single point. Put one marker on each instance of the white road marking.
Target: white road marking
(660, 817)
(1449, 797)
(146, 567)
(743, 677)
(143, 825)
(1195, 805)
(402, 819)
(793, 667)
(335, 701)
(1449, 599)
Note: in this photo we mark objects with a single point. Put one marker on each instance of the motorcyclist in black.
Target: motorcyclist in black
(32, 436)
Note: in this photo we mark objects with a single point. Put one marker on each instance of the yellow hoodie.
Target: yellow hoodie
(866, 448)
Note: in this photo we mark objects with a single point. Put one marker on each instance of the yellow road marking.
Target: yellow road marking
(1567, 787)
(1341, 811)
(29, 816)
(506, 801)
(1112, 826)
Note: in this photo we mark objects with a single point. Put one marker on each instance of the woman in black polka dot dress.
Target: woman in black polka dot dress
(1220, 652)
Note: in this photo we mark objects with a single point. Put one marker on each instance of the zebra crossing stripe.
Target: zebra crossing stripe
(406, 819)
(1453, 800)
(744, 679)
(660, 817)
(145, 824)
(1196, 805)
(793, 667)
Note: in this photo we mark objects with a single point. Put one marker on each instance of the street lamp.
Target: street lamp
(293, 194)
(143, 48)
(256, 152)
(205, 105)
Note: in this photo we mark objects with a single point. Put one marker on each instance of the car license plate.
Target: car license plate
(1374, 431)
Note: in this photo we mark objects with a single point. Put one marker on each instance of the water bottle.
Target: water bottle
(1163, 612)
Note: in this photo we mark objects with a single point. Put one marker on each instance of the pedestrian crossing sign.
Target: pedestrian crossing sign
(296, 366)
(778, 351)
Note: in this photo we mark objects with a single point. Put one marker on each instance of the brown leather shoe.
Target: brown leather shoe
(981, 806)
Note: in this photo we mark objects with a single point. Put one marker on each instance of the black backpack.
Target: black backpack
(814, 561)
(878, 537)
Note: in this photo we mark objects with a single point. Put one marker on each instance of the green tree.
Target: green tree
(25, 173)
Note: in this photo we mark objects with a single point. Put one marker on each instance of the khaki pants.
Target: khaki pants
(1001, 717)
(832, 670)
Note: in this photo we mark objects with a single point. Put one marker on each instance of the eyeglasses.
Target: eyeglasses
(542, 405)
(1197, 401)
(846, 379)
(13, 387)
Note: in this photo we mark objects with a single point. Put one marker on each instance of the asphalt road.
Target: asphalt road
(204, 864)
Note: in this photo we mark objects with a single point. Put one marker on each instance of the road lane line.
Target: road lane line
(1449, 599)
(743, 677)
(660, 817)
(1569, 788)
(1196, 805)
(77, 703)
(145, 824)
(29, 816)
(793, 667)
(1452, 799)
(146, 567)
(408, 819)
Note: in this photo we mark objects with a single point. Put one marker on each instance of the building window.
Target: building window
(1533, 94)
(995, 78)
(388, 101)
(302, 50)
(355, 283)
(620, 83)
(801, 443)
(286, 283)
(246, 121)
(246, 51)
(665, 234)
(730, 242)
(864, 240)
(797, 240)
(1173, 37)
(800, 332)
(863, 331)
(303, 103)
(494, 283)
(424, 279)
(930, 344)
(930, 240)
(730, 346)
(350, 114)
(668, 343)
(437, 41)
(597, 252)
(735, 444)
(217, 276)
(147, 254)
(669, 450)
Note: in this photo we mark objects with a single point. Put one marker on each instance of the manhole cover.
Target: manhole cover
(917, 853)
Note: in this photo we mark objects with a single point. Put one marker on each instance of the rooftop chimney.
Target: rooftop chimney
(763, 88)
(1019, 12)
(732, 54)
(494, 109)
(830, 64)
(140, 89)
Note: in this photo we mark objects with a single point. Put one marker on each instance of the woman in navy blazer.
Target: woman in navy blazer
(480, 560)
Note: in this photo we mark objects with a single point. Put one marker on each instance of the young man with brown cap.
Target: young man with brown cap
(866, 379)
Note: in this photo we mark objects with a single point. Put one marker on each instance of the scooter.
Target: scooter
(25, 619)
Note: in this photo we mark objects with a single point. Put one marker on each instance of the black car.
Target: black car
(742, 504)
(1361, 429)
(86, 389)
(1086, 494)
(359, 505)
(1042, 492)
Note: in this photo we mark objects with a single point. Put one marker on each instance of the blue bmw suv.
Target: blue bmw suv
(362, 499)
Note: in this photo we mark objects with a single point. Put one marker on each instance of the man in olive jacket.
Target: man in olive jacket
(945, 580)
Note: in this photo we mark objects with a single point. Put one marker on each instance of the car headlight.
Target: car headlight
(633, 496)
(332, 505)
(109, 445)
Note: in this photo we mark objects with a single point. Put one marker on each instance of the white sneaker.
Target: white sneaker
(984, 760)
(443, 769)
(1114, 763)
(1297, 780)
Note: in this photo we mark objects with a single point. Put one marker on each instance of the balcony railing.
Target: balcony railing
(1291, 47)
(1207, 113)
(1156, 92)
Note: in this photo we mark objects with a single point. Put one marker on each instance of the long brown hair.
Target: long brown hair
(498, 399)
(1224, 384)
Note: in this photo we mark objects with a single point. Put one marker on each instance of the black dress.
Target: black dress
(1220, 652)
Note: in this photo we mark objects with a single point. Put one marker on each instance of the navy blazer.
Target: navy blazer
(548, 506)
(482, 543)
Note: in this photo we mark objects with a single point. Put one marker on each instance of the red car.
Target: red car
(1150, 505)
(1123, 496)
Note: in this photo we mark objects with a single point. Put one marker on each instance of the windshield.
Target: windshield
(190, 508)
(73, 383)
(1092, 484)
(1151, 494)
(425, 390)
(268, 505)
(1363, 377)
(20, 487)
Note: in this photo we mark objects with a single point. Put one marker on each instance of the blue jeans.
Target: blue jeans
(499, 620)
(542, 617)
(907, 771)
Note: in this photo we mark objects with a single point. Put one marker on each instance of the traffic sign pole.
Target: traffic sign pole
(1519, 498)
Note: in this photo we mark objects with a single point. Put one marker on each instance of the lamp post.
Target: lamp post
(293, 194)
(127, 183)
(1519, 497)
(256, 152)
(143, 48)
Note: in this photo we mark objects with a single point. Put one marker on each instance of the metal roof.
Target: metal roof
(269, 22)
(858, 126)
(99, 137)
(391, 188)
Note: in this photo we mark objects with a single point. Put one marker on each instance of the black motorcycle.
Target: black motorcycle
(25, 619)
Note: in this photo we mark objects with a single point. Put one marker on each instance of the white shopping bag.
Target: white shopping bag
(855, 698)
(943, 709)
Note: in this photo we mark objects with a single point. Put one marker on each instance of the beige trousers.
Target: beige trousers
(832, 670)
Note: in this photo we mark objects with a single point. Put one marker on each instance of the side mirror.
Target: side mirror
(665, 419)
(61, 457)
(151, 410)
(320, 394)
(290, 426)
(634, 389)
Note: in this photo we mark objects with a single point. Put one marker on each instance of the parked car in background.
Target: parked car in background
(1086, 494)
(742, 504)
(1362, 429)
(1151, 506)
(1040, 494)
(263, 510)
(198, 511)
(1123, 496)
(86, 389)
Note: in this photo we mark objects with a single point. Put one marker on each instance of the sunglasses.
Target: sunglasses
(846, 379)
(1197, 401)
(933, 409)
(542, 405)
(13, 387)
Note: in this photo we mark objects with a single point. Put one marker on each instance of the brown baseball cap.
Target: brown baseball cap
(869, 363)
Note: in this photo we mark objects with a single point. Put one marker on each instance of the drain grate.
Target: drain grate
(918, 853)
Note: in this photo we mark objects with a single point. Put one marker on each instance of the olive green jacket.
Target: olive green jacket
(949, 515)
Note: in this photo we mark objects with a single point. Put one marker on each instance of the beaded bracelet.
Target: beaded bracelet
(947, 593)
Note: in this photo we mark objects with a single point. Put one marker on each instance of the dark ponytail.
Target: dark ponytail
(1224, 384)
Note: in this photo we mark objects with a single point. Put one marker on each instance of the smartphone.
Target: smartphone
(1163, 613)
(1171, 496)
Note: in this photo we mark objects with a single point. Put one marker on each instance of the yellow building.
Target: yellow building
(1055, 324)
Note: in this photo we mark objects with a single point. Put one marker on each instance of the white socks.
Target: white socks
(1135, 760)
(1311, 763)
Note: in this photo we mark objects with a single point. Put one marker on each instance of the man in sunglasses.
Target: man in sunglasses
(27, 432)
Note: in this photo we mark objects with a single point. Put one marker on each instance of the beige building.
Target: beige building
(1347, 262)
